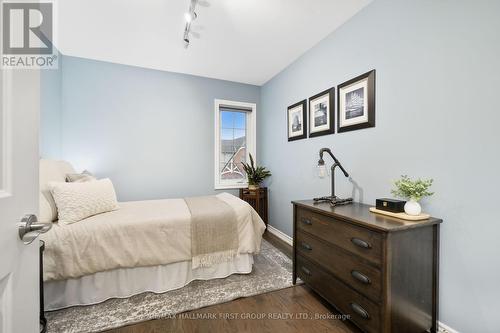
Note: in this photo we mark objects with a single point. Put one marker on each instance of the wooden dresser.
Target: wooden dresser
(380, 271)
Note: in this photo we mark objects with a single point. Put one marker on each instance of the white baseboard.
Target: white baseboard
(289, 240)
(281, 235)
(446, 329)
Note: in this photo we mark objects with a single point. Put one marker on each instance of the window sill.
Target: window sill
(230, 187)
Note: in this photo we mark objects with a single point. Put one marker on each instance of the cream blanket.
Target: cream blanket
(214, 237)
(140, 233)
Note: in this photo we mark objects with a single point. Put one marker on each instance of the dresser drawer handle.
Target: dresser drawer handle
(305, 270)
(306, 246)
(306, 221)
(361, 243)
(361, 277)
(360, 311)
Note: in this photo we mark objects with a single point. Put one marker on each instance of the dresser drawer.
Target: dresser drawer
(364, 242)
(347, 267)
(361, 310)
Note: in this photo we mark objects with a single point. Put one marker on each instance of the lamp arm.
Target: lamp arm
(343, 170)
(327, 150)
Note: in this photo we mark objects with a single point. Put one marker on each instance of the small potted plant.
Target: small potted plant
(255, 175)
(412, 191)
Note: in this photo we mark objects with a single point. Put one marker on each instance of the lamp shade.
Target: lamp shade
(322, 171)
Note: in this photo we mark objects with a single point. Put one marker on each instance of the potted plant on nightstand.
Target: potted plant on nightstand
(413, 191)
(255, 175)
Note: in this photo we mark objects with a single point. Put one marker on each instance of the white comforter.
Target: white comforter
(139, 233)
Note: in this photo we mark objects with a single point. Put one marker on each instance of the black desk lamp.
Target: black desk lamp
(333, 200)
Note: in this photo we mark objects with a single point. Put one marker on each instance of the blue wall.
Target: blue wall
(50, 112)
(151, 132)
(438, 79)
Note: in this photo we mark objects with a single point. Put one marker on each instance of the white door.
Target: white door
(19, 273)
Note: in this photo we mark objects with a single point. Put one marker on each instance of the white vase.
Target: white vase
(412, 207)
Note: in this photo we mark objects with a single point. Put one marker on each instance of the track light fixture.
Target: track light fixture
(190, 16)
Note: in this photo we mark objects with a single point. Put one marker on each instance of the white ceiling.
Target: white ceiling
(246, 41)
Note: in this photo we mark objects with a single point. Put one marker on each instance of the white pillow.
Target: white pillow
(77, 201)
(85, 176)
(50, 171)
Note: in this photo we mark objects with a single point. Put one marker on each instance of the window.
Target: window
(234, 140)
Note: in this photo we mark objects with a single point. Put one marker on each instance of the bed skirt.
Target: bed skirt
(126, 282)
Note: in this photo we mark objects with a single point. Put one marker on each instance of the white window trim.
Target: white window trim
(251, 139)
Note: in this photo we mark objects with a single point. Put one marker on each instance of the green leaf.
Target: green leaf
(255, 174)
(412, 189)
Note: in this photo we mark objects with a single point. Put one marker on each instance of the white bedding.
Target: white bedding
(138, 234)
(126, 282)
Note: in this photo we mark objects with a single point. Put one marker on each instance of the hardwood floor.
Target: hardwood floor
(295, 309)
(279, 244)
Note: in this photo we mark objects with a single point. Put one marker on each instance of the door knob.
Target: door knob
(29, 228)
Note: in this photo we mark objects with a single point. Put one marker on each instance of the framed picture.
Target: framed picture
(356, 103)
(321, 115)
(297, 121)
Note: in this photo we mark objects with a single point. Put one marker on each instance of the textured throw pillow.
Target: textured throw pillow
(85, 176)
(77, 201)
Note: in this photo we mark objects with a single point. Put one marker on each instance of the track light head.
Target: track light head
(190, 16)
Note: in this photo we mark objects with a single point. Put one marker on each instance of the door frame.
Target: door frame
(6, 139)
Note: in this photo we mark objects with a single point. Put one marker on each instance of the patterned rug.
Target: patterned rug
(272, 271)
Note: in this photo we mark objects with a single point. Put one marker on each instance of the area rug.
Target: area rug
(272, 271)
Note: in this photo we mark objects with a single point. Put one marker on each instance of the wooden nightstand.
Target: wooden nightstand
(257, 199)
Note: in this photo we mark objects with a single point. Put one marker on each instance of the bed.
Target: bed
(141, 246)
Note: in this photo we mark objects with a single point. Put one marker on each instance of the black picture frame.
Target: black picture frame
(302, 104)
(331, 113)
(369, 77)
